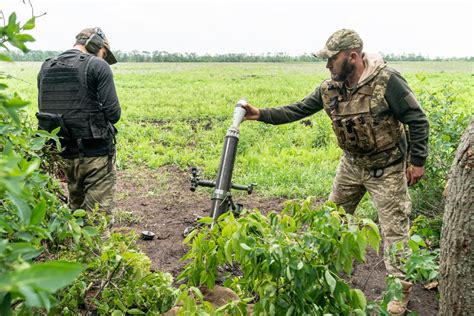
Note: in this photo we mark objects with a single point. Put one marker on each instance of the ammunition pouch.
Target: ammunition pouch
(355, 133)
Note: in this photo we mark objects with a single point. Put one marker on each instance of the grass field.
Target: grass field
(179, 113)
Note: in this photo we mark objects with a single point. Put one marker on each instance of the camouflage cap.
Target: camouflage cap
(85, 34)
(341, 40)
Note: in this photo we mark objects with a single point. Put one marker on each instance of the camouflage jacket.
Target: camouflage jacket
(377, 108)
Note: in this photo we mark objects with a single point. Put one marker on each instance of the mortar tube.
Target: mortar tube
(226, 167)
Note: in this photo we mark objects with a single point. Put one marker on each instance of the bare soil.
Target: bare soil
(161, 202)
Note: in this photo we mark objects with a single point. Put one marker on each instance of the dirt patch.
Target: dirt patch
(207, 123)
(161, 201)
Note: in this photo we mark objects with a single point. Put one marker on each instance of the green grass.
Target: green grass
(179, 113)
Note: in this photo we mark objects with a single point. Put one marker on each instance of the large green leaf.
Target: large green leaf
(330, 280)
(5, 58)
(30, 24)
(11, 27)
(5, 301)
(39, 212)
(23, 250)
(48, 276)
(24, 210)
(25, 38)
(358, 298)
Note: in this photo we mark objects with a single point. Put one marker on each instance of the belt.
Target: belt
(378, 172)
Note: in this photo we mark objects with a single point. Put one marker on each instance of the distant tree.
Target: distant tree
(164, 56)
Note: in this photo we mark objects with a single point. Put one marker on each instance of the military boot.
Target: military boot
(396, 307)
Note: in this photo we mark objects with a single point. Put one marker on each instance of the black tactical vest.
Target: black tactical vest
(65, 100)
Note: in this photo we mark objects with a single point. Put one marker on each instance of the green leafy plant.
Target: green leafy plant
(422, 264)
(290, 262)
(117, 279)
(12, 33)
(418, 262)
(30, 213)
(40, 236)
(427, 228)
(447, 122)
(394, 291)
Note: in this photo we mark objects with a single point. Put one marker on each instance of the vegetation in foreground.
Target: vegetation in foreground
(37, 232)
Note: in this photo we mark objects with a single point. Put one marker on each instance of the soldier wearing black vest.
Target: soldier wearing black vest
(76, 92)
(369, 105)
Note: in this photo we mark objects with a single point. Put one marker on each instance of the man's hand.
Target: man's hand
(252, 114)
(414, 174)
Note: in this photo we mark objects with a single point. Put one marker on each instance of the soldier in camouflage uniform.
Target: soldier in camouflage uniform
(369, 105)
(76, 92)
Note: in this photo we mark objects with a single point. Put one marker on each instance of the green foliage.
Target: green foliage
(35, 282)
(428, 228)
(191, 302)
(418, 262)
(177, 114)
(422, 264)
(117, 279)
(290, 261)
(39, 235)
(448, 120)
(163, 56)
(11, 33)
(31, 216)
(394, 291)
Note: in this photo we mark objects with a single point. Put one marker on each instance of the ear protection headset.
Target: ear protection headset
(95, 42)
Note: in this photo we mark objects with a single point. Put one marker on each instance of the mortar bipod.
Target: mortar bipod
(227, 201)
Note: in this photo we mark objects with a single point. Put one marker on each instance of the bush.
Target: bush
(447, 123)
(290, 262)
(40, 236)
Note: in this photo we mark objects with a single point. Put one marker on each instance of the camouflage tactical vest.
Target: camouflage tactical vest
(66, 101)
(364, 126)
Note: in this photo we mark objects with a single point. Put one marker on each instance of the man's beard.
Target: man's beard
(346, 70)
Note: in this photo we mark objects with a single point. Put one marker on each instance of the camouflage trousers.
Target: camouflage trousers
(90, 183)
(389, 193)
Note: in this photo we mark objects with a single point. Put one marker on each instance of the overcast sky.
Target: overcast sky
(431, 28)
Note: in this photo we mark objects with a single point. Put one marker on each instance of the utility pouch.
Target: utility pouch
(98, 125)
(349, 133)
(388, 133)
(339, 131)
(90, 125)
(50, 121)
(364, 132)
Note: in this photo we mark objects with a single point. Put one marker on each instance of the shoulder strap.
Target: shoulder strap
(86, 69)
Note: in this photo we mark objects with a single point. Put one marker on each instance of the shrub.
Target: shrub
(290, 262)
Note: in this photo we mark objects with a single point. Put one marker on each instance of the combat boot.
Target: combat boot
(396, 307)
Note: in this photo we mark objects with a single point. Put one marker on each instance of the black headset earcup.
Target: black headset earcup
(94, 44)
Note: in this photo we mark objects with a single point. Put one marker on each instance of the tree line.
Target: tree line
(164, 56)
